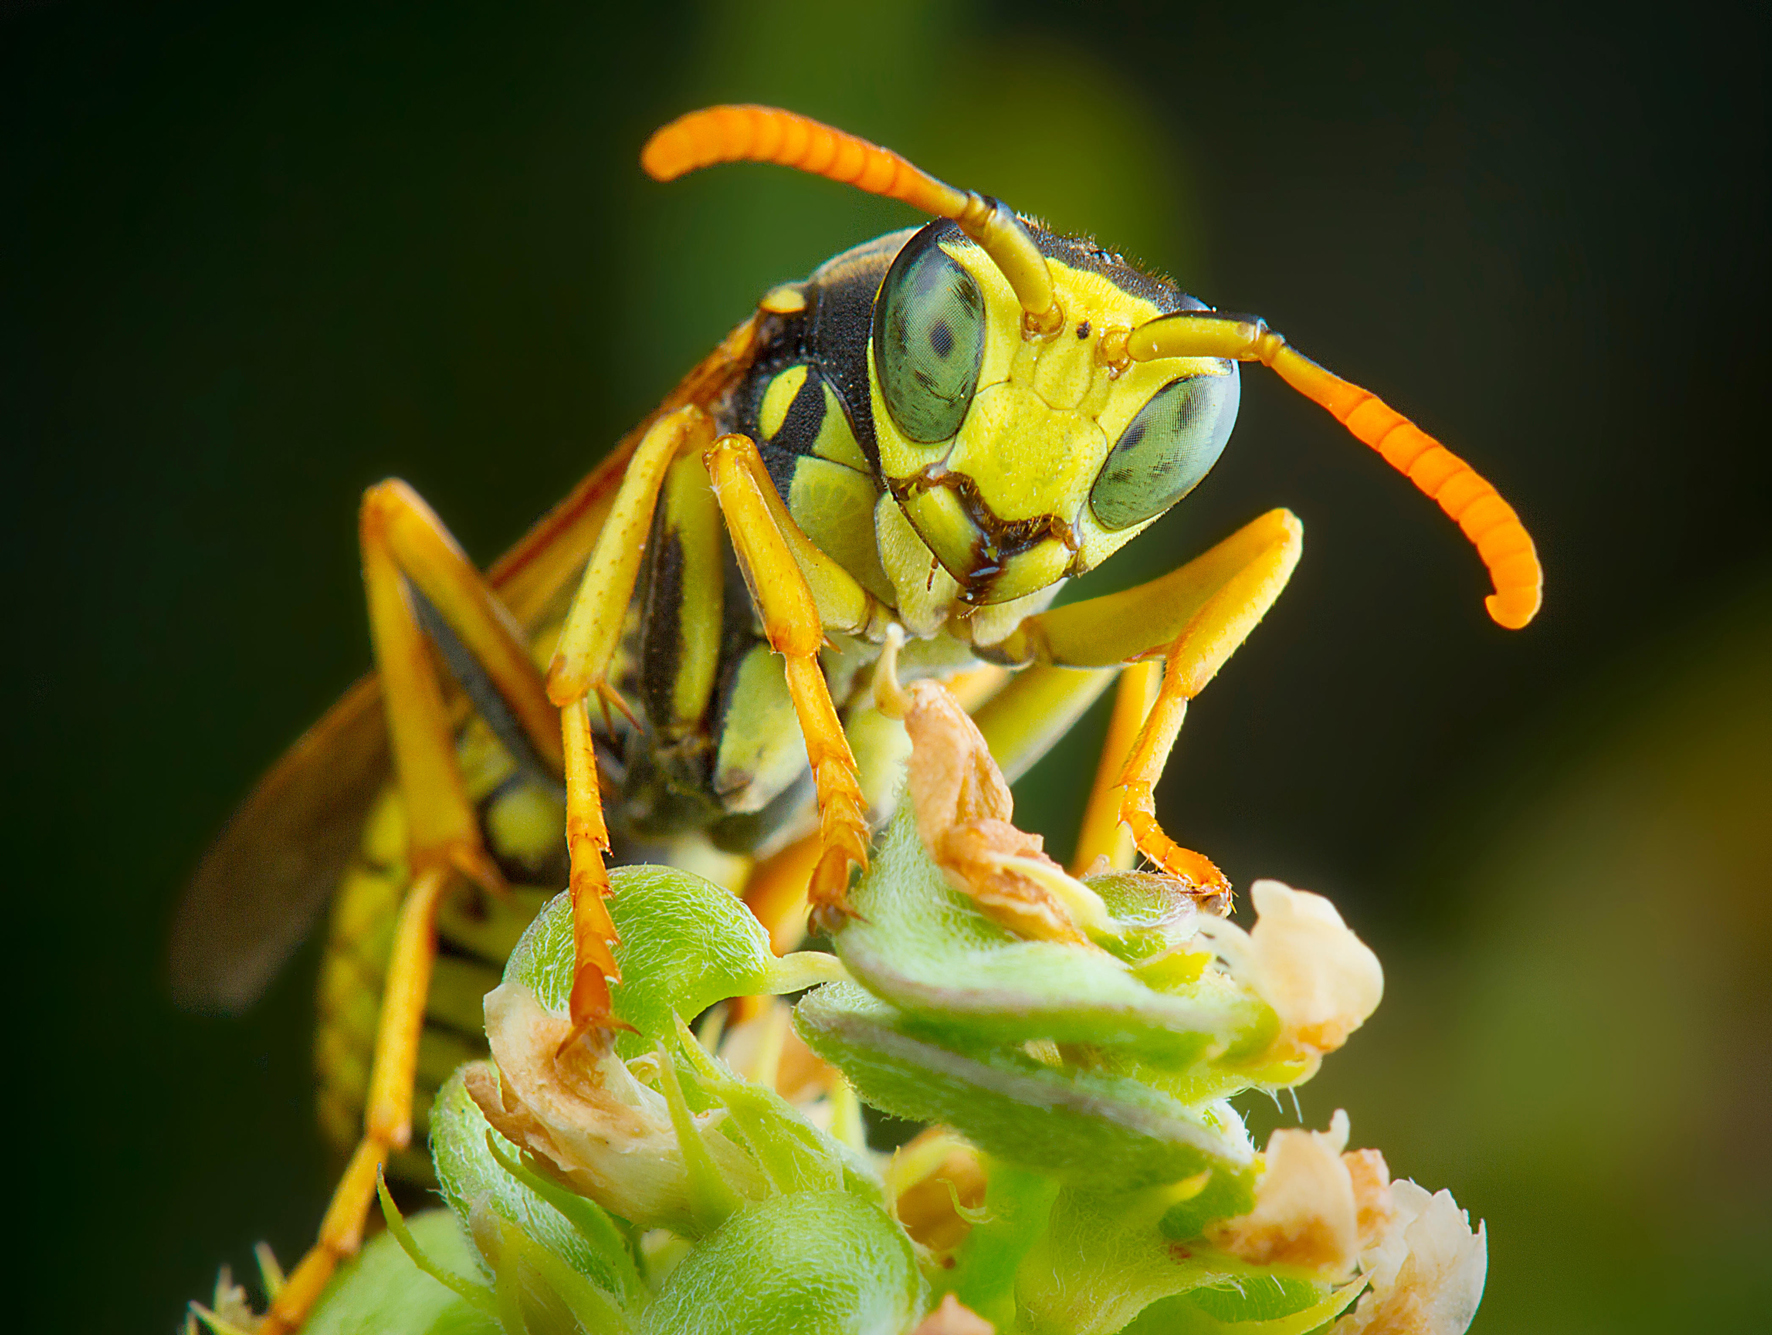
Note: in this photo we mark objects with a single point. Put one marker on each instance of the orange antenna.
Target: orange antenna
(1467, 498)
(769, 134)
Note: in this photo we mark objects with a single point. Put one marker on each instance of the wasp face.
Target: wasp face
(1021, 459)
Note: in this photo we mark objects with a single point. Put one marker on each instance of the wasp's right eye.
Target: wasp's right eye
(928, 340)
(1165, 451)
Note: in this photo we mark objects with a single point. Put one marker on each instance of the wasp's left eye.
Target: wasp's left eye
(1165, 451)
(928, 340)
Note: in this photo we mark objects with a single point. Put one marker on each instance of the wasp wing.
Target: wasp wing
(262, 884)
(259, 889)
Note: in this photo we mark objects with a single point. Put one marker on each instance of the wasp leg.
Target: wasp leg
(404, 541)
(1039, 705)
(776, 891)
(768, 544)
(388, 1124)
(401, 531)
(579, 670)
(1103, 833)
(1195, 617)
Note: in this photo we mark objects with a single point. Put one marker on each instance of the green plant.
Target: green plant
(1072, 1045)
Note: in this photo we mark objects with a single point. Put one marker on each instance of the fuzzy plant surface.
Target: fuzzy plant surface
(1070, 1046)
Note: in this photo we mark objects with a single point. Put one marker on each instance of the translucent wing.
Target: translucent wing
(265, 880)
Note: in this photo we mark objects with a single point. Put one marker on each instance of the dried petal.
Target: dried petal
(952, 777)
(964, 813)
(1321, 979)
(1306, 1213)
(1426, 1273)
(998, 865)
(1371, 1178)
(585, 1116)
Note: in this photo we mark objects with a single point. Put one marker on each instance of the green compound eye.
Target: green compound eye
(1165, 451)
(928, 340)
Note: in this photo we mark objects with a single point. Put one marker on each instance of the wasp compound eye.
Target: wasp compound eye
(1165, 451)
(928, 340)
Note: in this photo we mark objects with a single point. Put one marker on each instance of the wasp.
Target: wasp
(934, 432)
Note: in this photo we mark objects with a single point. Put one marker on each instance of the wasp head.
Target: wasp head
(1021, 456)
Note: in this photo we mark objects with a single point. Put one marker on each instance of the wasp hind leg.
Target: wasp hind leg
(1195, 618)
(404, 544)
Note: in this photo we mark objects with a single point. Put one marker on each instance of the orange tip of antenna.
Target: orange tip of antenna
(1515, 608)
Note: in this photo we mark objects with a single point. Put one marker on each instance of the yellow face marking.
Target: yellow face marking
(988, 625)
(1057, 452)
(924, 592)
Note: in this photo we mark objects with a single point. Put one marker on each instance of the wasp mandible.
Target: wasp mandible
(934, 431)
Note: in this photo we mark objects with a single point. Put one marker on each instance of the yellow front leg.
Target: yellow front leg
(580, 669)
(764, 536)
(1195, 618)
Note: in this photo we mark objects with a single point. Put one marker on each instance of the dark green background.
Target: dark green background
(254, 258)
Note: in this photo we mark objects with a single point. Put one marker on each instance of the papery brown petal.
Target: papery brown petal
(973, 858)
(951, 776)
(1305, 1211)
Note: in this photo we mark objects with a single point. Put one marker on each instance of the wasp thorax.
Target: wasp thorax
(1020, 457)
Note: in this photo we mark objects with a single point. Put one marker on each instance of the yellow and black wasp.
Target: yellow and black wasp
(936, 430)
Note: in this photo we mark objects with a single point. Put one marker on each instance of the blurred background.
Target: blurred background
(253, 258)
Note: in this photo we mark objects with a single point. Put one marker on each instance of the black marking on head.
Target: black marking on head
(1087, 255)
(842, 291)
(831, 336)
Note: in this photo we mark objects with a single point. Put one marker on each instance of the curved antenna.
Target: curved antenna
(769, 134)
(1467, 498)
